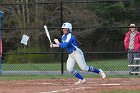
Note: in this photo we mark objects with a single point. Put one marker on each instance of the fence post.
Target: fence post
(61, 19)
(1, 16)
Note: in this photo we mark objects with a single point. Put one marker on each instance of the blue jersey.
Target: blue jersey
(68, 42)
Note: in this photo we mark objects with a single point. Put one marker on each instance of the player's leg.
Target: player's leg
(130, 61)
(79, 57)
(70, 67)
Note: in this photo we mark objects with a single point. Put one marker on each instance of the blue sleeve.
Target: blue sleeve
(63, 45)
(66, 41)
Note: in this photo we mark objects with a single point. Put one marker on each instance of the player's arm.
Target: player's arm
(67, 41)
(61, 45)
(56, 43)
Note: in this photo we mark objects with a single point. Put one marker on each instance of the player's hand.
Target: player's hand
(54, 45)
(56, 41)
(51, 45)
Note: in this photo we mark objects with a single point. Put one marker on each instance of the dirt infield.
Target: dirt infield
(92, 85)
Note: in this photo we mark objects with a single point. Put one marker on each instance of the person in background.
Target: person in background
(132, 46)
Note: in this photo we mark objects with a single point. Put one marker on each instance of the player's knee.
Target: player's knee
(69, 69)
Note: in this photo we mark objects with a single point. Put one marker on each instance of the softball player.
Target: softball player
(75, 54)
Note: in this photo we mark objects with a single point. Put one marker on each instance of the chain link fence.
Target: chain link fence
(99, 27)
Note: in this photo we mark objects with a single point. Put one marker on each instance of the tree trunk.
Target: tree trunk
(27, 14)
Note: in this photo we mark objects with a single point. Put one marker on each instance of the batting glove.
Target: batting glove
(51, 45)
(56, 41)
(54, 45)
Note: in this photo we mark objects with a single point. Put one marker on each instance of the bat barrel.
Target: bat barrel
(47, 32)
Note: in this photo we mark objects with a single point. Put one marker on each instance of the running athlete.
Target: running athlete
(75, 54)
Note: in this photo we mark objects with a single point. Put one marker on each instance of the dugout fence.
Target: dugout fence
(99, 26)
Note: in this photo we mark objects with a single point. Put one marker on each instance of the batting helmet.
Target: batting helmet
(67, 25)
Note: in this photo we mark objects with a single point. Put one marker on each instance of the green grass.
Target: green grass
(26, 67)
(124, 91)
(29, 77)
(33, 77)
(107, 65)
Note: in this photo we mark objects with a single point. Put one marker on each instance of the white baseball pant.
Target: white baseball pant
(76, 56)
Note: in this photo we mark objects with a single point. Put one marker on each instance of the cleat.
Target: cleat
(80, 81)
(102, 74)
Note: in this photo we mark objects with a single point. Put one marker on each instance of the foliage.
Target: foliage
(109, 12)
(27, 56)
(111, 16)
(101, 22)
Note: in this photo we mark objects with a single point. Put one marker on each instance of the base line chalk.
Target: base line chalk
(113, 84)
(65, 90)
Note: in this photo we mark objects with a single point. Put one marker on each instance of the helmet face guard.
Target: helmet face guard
(68, 26)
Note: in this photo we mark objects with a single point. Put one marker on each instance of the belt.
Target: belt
(72, 51)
